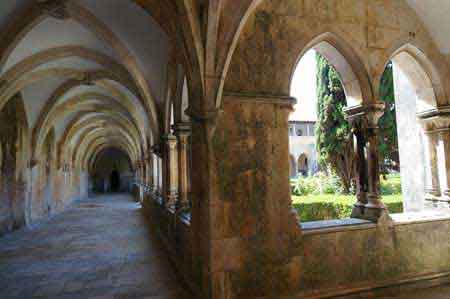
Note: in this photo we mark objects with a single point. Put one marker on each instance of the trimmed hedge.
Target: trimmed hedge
(325, 207)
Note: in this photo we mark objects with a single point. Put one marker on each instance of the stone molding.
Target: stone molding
(281, 100)
(182, 128)
(435, 120)
(369, 114)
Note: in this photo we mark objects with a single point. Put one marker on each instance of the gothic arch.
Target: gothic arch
(421, 72)
(347, 63)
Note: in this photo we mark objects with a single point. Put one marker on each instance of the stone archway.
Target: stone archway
(415, 95)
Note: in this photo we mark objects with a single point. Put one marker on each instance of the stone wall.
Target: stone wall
(12, 167)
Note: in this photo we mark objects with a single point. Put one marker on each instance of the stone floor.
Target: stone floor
(102, 248)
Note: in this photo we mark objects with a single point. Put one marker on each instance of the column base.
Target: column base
(358, 211)
(432, 194)
(369, 213)
(375, 214)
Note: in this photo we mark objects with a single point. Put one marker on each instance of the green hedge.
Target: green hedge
(325, 207)
(330, 184)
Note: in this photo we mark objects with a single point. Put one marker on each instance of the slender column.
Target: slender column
(437, 127)
(183, 132)
(444, 136)
(170, 184)
(364, 119)
(361, 171)
(155, 173)
(149, 163)
(432, 190)
(374, 207)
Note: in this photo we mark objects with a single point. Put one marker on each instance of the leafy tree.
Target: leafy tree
(389, 157)
(334, 139)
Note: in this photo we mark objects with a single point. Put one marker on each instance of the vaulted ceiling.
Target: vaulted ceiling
(75, 59)
(435, 15)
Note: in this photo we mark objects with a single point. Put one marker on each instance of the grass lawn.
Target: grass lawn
(329, 206)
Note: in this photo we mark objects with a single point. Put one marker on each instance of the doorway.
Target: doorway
(115, 181)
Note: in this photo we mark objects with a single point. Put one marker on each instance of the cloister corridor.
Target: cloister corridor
(100, 248)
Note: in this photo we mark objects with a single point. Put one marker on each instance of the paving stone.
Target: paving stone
(99, 249)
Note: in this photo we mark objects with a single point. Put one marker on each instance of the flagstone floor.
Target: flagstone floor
(100, 248)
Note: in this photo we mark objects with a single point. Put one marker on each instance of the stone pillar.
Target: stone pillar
(444, 163)
(170, 170)
(374, 207)
(243, 213)
(149, 163)
(156, 154)
(436, 124)
(183, 132)
(364, 119)
(155, 173)
(361, 169)
(433, 189)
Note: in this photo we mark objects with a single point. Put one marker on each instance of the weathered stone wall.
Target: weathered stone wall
(368, 258)
(12, 167)
(366, 33)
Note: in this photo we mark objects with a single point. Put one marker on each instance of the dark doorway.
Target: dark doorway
(115, 181)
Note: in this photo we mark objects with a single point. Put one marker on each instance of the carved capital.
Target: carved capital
(170, 141)
(54, 8)
(365, 116)
(434, 123)
(203, 115)
(182, 129)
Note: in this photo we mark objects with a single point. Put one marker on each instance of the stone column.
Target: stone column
(361, 170)
(242, 160)
(155, 173)
(356, 116)
(183, 132)
(156, 154)
(433, 189)
(149, 163)
(374, 207)
(170, 170)
(444, 144)
(364, 120)
(436, 124)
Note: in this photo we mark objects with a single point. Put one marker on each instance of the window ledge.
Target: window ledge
(326, 226)
(420, 217)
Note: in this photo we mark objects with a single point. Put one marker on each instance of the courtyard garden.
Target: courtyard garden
(321, 197)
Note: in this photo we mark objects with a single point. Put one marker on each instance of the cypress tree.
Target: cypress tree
(334, 140)
(389, 157)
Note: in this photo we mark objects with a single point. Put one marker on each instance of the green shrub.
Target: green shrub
(392, 185)
(304, 186)
(326, 207)
(320, 183)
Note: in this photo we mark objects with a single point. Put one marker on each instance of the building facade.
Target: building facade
(302, 148)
